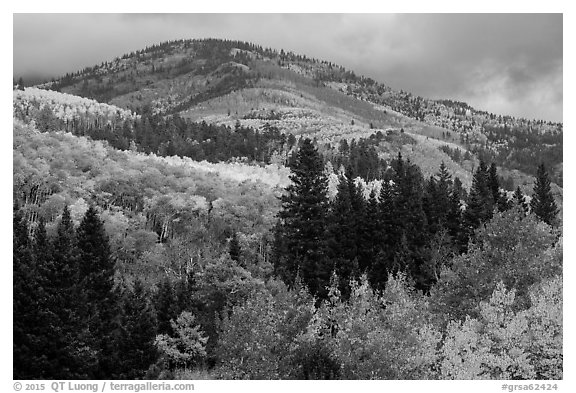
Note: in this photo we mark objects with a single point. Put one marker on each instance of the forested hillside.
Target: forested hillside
(308, 231)
(198, 75)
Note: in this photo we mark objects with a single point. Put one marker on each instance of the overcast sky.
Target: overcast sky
(503, 63)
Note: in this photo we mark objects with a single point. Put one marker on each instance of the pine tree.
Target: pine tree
(96, 269)
(520, 200)
(64, 275)
(234, 248)
(389, 233)
(454, 213)
(412, 220)
(165, 306)
(303, 215)
(542, 203)
(70, 335)
(137, 334)
(50, 343)
(431, 206)
(341, 245)
(494, 183)
(479, 204)
(408, 202)
(26, 315)
(371, 232)
(443, 192)
(459, 189)
(499, 198)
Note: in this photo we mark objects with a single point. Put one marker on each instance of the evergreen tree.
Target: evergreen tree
(184, 292)
(371, 232)
(50, 343)
(443, 192)
(431, 206)
(454, 213)
(499, 198)
(234, 248)
(96, 269)
(42, 249)
(27, 317)
(494, 183)
(137, 334)
(412, 220)
(165, 306)
(389, 233)
(75, 359)
(479, 204)
(341, 245)
(459, 190)
(303, 215)
(542, 203)
(520, 200)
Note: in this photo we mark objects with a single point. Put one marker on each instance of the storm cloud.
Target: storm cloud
(503, 63)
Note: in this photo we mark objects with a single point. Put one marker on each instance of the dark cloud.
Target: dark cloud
(504, 63)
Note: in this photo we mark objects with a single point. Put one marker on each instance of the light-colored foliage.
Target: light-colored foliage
(387, 336)
(505, 344)
(188, 347)
(511, 248)
(67, 107)
(255, 341)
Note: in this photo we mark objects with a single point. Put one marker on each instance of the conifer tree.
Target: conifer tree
(41, 247)
(184, 292)
(408, 201)
(69, 334)
(412, 220)
(303, 215)
(390, 234)
(499, 198)
(96, 289)
(542, 203)
(479, 204)
(454, 213)
(51, 346)
(494, 183)
(370, 235)
(26, 316)
(341, 245)
(165, 306)
(520, 200)
(459, 190)
(431, 206)
(137, 334)
(234, 248)
(444, 186)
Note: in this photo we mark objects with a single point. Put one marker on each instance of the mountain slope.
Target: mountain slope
(225, 82)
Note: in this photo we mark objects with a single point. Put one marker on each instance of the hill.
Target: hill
(222, 82)
(214, 209)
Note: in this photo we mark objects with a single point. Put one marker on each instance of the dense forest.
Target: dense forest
(347, 274)
(149, 245)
